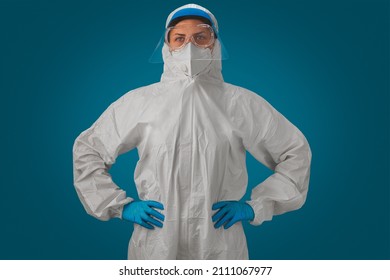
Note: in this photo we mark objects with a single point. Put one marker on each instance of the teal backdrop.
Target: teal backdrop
(322, 64)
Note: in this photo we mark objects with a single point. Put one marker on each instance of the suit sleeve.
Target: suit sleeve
(279, 145)
(94, 152)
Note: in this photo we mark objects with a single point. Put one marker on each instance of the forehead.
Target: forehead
(189, 26)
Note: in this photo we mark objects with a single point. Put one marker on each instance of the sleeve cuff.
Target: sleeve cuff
(261, 213)
(119, 210)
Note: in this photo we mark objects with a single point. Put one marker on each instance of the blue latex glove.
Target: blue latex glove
(142, 213)
(231, 212)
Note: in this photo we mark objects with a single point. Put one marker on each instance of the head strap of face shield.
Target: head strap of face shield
(192, 13)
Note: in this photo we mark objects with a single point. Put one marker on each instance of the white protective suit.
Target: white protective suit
(192, 134)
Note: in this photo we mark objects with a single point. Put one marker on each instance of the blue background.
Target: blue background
(323, 64)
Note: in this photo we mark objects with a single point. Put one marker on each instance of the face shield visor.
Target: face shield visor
(202, 36)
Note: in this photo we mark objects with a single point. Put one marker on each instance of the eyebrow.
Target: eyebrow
(193, 34)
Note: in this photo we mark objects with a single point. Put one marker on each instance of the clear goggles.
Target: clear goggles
(201, 35)
(178, 36)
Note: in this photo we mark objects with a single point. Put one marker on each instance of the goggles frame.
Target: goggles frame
(190, 38)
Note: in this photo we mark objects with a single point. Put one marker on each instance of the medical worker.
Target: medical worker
(191, 131)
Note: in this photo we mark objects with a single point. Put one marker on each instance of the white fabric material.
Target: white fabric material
(190, 60)
(192, 134)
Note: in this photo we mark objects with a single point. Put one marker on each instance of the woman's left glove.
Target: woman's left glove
(231, 212)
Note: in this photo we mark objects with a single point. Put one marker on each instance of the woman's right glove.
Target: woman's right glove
(142, 213)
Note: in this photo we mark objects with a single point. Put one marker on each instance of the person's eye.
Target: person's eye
(202, 37)
(179, 39)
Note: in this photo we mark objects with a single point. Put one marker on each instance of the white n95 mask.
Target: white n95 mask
(191, 60)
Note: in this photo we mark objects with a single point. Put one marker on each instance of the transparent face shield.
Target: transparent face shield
(177, 37)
